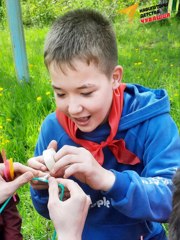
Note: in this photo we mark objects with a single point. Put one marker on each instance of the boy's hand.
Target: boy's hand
(79, 162)
(23, 174)
(68, 216)
(39, 164)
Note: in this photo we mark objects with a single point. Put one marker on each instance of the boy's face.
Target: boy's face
(84, 94)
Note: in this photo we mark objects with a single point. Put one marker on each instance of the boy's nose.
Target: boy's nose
(74, 108)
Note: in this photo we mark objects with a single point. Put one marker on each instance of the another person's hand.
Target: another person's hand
(68, 216)
(22, 173)
(80, 163)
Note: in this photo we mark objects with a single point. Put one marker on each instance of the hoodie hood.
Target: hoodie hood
(141, 103)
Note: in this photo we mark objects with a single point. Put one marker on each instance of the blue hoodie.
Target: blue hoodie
(141, 196)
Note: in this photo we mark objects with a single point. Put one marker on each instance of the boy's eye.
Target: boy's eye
(60, 95)
(86, 94)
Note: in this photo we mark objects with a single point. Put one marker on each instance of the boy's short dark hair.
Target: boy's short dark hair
(174, 222)
(82, 34)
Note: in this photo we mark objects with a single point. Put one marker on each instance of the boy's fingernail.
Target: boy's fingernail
(43, 168)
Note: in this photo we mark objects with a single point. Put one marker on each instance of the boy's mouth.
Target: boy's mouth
(82, 120)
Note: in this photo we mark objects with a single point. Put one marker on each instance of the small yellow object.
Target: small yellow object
(11, 168)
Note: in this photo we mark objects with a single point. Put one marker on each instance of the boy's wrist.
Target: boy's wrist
(109, 179)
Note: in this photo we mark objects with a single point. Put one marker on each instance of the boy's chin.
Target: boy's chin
(86, 128)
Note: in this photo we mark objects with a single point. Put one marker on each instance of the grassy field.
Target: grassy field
(149, 54)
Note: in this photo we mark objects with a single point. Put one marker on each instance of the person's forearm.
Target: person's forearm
(69, 234)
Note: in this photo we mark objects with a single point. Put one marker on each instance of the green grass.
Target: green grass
(149, 54)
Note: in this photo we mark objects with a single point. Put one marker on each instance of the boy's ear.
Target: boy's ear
(117, 76)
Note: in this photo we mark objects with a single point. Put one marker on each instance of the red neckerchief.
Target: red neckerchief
(117, 147)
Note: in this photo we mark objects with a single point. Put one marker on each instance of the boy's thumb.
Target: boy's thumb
(53, 144)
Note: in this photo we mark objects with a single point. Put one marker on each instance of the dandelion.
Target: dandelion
(137, 63)
(48, 93)
(39, 99)
(1, 127)
(1, 89)
(8, 119)
(7, 141)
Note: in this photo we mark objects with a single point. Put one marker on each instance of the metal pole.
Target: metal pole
(17, 39)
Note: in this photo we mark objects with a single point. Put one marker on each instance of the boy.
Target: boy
(116, 140)
(174, 222)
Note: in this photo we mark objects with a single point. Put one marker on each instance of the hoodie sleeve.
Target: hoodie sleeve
(148, 195)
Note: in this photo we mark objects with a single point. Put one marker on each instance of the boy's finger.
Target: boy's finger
(37, 163)
(66, 150)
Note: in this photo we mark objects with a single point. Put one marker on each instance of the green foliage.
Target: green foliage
(149, 54)
(2, 13)
(43, 12)
(38, 12)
